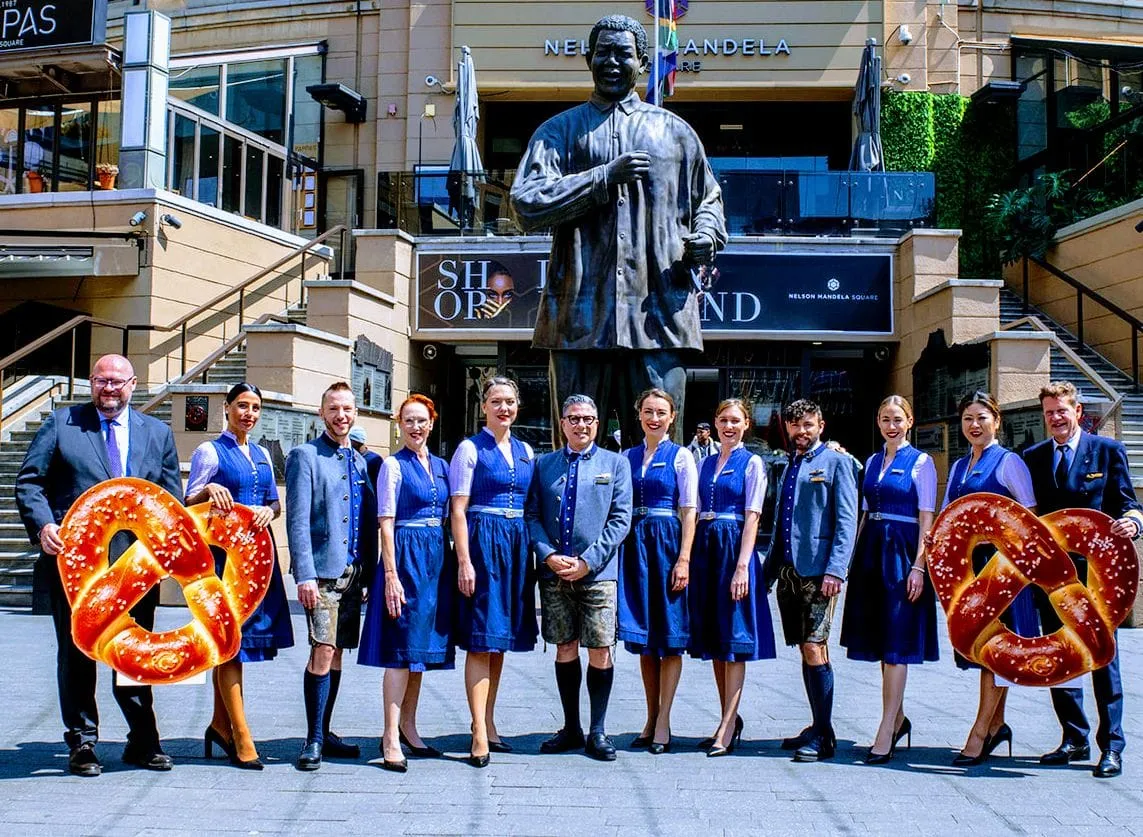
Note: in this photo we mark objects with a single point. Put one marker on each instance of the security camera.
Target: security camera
(904, 78)
(138, 218)
(170, 221)
(431, 81)
(904, 35)
(429, 352)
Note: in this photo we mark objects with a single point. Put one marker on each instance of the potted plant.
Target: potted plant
(35, 181)
(1025, 221)
(106, 172)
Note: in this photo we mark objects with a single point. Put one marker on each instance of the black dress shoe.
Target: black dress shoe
(149, 758)
(1067, 752)
(818, 748)
(401, 765)
(425, 752)
(1110, 764)
(642, 742)
(563, 741)
(310, 756)
(333, 747)
(84, 762)
(500, 747)
(478, 761)
(657, 748)
(798, 741)
(599, 747)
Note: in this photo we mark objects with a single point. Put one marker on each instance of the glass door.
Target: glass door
(340, 201)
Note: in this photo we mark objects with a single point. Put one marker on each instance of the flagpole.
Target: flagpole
(655, 69)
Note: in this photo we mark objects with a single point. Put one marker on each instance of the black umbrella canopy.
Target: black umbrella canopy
(867, 153)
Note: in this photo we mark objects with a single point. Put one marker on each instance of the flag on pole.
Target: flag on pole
(665, 61)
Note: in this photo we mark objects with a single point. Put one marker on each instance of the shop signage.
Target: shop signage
(38, 24)
(692, 47)
(791, 295)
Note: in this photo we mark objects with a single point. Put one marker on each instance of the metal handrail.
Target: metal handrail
(59, 331)
(1082, 291)
(203, 365)
(240, 289)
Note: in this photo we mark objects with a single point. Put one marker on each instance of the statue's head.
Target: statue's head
(616, 53)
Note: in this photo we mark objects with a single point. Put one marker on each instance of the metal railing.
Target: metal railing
(756, 203)
(69, 328)
(1133, 323)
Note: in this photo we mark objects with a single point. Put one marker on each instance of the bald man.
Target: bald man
(76, 448)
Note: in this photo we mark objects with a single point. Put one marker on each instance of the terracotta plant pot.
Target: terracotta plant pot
(35, 181)
(106, 181)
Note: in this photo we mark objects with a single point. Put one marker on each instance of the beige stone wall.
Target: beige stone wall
(1105, 254)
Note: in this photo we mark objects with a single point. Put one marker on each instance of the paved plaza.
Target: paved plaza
(757, 790)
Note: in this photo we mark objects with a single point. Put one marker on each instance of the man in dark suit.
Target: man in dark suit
(815, 528)
(1073, 469)
(578, 513)
(76, 448)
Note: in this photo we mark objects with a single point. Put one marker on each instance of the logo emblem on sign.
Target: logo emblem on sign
(833, 284)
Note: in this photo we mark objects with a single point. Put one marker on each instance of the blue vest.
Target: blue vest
(420, 495)
(983, 476)
(494, 482)
(658, 488)
(727, 493)
(252, 484)
(894, 493)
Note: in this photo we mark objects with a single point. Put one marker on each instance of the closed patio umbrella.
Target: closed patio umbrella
(867, 153)
(465, 167)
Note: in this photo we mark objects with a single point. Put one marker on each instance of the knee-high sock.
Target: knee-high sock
(334, 683)
(821, 681)
(317, 696)
(599, 682)
(569, 675)
(807, 681)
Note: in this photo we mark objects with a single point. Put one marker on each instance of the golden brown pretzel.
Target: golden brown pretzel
(1032, 550)
(174, 541)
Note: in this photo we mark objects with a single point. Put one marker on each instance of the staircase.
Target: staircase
(1063, 369)
(17, 555)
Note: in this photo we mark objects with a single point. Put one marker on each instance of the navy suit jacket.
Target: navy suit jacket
(824, 525)
(1097, 479)
(602, 510)
(69, 456)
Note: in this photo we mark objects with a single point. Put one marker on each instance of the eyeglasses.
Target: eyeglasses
(586, 421)
(112, 383)
(416, 422)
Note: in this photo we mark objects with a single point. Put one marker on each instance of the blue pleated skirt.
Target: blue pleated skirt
(652, 618)
(501, 614)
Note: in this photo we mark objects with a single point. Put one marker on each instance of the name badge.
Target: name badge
(817, 479)
(603, 479)
(658, 464)
(1094, 476)
(896, 470)
(817, 472)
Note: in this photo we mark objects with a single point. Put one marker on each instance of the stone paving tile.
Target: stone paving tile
(758, 790)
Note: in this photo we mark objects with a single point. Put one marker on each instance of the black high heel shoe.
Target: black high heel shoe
(419, 752)
(1003, 734)
(904, 731)
(707, 743)
(253, 764)
(961, 760)
(657, 749)
(212, 737)
(718, 750)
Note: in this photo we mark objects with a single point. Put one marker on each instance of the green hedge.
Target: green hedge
(969, 147)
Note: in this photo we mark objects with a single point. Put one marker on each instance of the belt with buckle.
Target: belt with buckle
(900, 518)
(497, 511)
(419, 523)
(650, 511)
(709, 515)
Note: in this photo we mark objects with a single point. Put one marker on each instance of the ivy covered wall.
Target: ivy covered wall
(969, 147)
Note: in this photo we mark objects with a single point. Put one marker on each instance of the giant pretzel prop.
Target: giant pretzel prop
(174, 541)
(1032, 550)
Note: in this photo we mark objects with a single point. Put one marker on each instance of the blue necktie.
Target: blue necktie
(1062, 466)
(113, 456)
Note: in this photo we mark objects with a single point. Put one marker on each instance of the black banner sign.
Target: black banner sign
(36, 24)
(787, 294)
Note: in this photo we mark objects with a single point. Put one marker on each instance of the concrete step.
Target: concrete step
(16, 595)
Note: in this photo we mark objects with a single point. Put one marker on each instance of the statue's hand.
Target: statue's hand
(628, 167)
(698, 249)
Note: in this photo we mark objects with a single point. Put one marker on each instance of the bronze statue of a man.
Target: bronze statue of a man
(633, 207)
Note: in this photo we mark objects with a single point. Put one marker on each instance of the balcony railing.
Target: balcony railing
(756, 202)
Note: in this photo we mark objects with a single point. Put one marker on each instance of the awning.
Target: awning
(80, 69)
(46, 261)
(1117, 52)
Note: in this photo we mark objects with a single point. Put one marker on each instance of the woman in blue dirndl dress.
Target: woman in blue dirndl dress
(995, 469)
(890, 610)
(496, 612)
(408, 618)
(654, 564)
(227, 470)
(730, 613)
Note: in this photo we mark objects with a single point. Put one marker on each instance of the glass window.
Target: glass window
(231, 174)
(107, 133)
(182, 168)
(75, 147)
(307, 112)
(39, 145)
(252, 208)
(197, 86)
(208, 165)
(274, 169)
(256, 97)
(9, 150)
